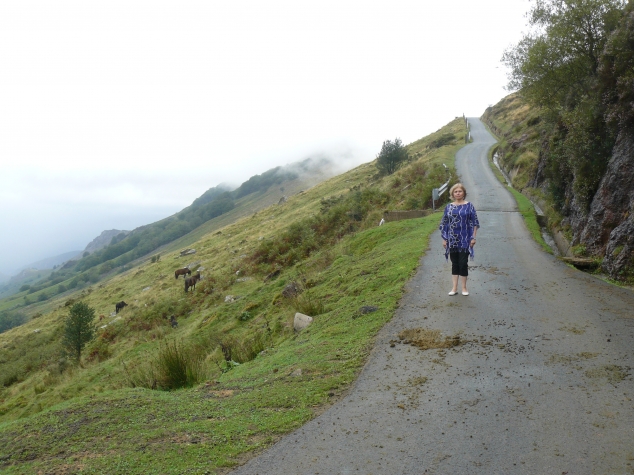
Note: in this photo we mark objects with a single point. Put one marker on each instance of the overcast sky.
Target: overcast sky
(115, 114)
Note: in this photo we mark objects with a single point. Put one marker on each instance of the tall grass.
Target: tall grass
(175, 366)
(308, 304)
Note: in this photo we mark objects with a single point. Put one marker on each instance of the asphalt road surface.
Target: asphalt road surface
(542, 385)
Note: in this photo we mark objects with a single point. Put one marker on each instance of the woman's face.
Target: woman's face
(458, 194)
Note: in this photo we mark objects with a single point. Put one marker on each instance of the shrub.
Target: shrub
(391, 157)
(307, 304)
(244, 316)
(78, 329)
(241, 351)
(10, 320)
(10, 379)
(444, 139)
(533, 121)
(100, 351)
(303, 238)
(175, 366)
(179, 367)
(148, 318)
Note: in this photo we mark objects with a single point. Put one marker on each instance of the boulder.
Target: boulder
(291, 289)
(301, 321)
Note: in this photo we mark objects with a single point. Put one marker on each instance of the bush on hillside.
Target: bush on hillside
(241, 350)
(310, 234)
(10, 320)
(392, 156)
(444, 139)
(176, 366)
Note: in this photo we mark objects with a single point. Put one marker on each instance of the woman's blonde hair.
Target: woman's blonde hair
(456, 186)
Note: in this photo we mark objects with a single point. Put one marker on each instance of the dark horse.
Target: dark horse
(191, 282)
(119, 306)
(183, 271)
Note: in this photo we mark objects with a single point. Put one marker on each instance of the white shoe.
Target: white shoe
(452, 293)
(465, 293)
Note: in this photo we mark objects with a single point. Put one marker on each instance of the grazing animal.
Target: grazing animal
(184, 271)
(173, 321)
(119, 306)
(191, 282)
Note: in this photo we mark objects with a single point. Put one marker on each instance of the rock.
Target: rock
(368, 309)
(291, 289)
(301, 321)
(517, 143)
(187, 252)
(610, 222)
(146, 289)
(229, 299)
(296, 373)
(581, 263)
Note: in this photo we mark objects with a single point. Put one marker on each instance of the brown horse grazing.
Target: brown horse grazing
(183, 271)
(191, 282)
(119, 306)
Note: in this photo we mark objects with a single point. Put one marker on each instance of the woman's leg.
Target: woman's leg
(454, 282)
(463, 265)
(455, 270)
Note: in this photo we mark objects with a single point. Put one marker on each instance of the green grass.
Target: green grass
(144, 431)
(102, 418)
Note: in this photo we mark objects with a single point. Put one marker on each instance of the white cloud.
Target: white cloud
(108, 105)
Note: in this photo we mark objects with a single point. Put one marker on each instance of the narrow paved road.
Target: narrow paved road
(542, 386)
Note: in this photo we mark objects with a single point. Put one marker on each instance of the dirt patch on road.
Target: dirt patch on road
(613, 373)
(426, 339)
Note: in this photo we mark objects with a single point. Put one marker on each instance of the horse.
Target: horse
(191, 281)
(183, 271)
(119, 306)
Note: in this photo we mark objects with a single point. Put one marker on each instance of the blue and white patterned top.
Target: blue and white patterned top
(456, 227)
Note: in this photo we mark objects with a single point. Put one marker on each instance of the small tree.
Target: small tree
(391, 157)
(79, 329)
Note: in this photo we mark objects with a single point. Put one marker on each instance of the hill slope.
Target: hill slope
(251, 377)
(217, 207)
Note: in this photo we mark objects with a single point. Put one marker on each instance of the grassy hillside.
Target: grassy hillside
(217, 207)
(522, 132)
(249, 377)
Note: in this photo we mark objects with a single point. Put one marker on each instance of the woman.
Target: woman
(458, 229)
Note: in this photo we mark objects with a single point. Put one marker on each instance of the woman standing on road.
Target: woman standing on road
(458, 229)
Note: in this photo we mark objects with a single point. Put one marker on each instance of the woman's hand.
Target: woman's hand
(444, 243)
(472, 243)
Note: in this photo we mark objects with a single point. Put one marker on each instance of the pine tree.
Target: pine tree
(391, 157)
(78, 329)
